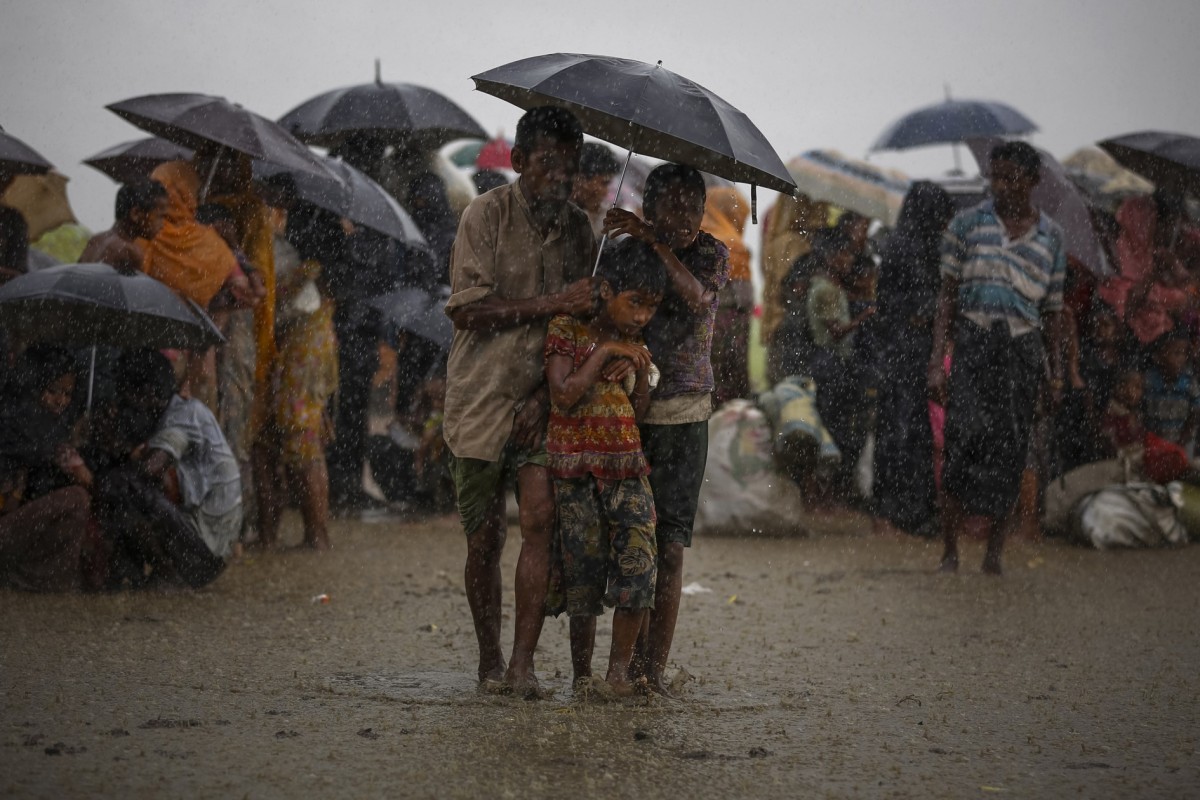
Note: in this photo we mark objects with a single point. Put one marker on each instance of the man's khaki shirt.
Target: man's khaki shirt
(500, 251)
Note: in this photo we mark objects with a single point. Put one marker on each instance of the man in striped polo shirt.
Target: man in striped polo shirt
(1003, 264)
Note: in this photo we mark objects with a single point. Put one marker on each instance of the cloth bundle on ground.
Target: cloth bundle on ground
(742, 492)
(1137, 515)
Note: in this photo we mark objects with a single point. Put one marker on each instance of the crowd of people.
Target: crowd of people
(962, 361)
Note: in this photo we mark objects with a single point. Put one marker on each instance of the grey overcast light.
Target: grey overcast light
(810, 74)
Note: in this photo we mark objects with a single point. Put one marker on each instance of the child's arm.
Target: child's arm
(639, 398)
(568, 385)
(698, 299)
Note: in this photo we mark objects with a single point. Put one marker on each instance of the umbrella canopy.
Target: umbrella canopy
(829, 176)
(349, 193)
(198, 121)
(1058, 196)
(953, 121)
(645, 109)
(18, 158)
(91, 304)
(130, 162)
(418, 312)
(1171, 159)
(402, 114)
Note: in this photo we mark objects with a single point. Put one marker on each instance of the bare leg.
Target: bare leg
(665, 613)
(583, 642)
(266, 486)
(627, 624)
(952, 520)
(313, 480)
(995, 545)
(533, 573)
(482, 579)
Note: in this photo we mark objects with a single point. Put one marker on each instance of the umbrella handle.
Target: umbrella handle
(616, 196)
(91, 380)
(212, 171)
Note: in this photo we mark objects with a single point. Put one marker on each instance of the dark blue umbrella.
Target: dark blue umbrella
(953, 121)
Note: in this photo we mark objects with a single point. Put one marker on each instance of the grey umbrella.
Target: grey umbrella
(133, 161)
(399, 113)
(18, 158)
(347, 192)
(1171, 159)
(93, 304)
(645, 109)
(418, 312)
(199, 121)
(951, 122)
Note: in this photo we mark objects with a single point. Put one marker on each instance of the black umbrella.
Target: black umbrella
(418, 312)
(18, 158)
(93, 304)
(953, 121)
(399, 113)
(130, 162)
(645, 109)
(348, 193)
(1170, 159)
(199, 121)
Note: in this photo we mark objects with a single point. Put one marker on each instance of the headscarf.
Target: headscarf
(187, 256)
(725, 213)
(909, 277)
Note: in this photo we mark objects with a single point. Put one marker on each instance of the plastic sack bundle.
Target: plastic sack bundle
(1137, 515)
(742, 492)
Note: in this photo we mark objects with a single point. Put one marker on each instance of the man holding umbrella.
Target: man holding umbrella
(1003, 264)
(522, 255)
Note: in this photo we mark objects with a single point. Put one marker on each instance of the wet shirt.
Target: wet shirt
(598, 436)
(500, 251)
(679, 339)
(208, 472)
(1168, 403)
(1003, 279)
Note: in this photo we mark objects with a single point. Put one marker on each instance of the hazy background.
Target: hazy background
(810, 74)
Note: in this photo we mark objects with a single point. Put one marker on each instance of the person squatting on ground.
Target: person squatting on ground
(674, 430)
(175, 501)
(522, 255)
(598, 371)
(1003, 264)
(44, 484)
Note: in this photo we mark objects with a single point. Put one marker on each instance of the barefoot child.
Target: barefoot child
(605, 507)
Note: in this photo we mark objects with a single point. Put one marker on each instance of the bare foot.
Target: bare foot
(991, 565)
(620, 686)
(524, 684)
(949, 563)
(491, 672)
(318, 544)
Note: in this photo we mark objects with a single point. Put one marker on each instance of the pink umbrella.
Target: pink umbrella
(1061, 199)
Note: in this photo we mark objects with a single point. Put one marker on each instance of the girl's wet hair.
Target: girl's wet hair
(667, 177)
(631, 265)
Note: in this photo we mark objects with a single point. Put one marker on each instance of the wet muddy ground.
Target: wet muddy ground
(836, 665)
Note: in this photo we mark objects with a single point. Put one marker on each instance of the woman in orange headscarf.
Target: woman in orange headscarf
(185, 255)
